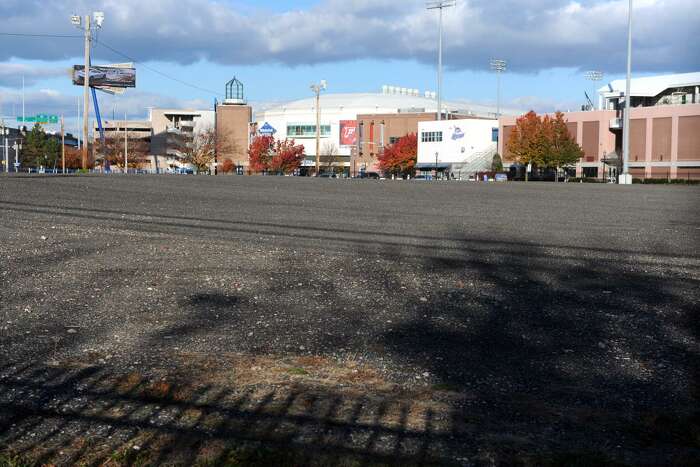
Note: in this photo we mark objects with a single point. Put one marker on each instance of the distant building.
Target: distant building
(360, 114)
(233, 127)
(117, 133)
(173, 130)
(456, 148)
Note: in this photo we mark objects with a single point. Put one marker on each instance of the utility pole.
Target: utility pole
(126, 147)
(317, 88)
(439, 5)
(626, 178)
(5, 147)
(87, 29)
(86, 90)
(63, 147)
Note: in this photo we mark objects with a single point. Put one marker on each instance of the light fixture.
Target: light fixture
(99, 18)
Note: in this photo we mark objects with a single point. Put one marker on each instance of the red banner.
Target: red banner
(348, 132)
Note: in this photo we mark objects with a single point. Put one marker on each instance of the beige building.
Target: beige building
(173, 131)
(233, 134)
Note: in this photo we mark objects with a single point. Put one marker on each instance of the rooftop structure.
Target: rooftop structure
(650, 91)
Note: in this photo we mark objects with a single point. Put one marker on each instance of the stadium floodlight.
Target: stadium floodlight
(317, 88)
(593, 76)
(440, 5)
(76, 21)
(499, 66)
(99, 17)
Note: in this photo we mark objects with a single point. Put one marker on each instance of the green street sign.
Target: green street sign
(40, 118)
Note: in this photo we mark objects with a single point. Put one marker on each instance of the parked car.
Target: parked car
(328, 175)
(371, 175)
(422, 177)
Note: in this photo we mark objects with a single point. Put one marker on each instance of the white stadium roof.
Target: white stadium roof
(365, 103)
(653, 85)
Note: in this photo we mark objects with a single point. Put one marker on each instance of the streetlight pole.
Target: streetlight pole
(499, 66)
(317, 88)
(626, 178)
(439, 5)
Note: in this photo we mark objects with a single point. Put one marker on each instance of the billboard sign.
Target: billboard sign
(348, 132)
(106, 76)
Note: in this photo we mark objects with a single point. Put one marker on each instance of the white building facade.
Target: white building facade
(457, 147)
(297, 120)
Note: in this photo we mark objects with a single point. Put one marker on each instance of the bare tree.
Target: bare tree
(331, 160)
(200, 152)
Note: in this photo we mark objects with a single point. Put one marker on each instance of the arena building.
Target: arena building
(355, 127)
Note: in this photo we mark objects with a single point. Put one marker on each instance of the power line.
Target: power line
(154, 70)
(14, 34)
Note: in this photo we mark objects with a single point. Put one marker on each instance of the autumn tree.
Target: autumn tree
(227, 166)
(527, 143)
(562, 148)
(113, 151)
(543, 141)
(400, 158)
(287, 156)
(266, 154)
(201, 151)
(260, 153)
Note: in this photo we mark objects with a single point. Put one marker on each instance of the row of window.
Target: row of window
(431, 137)
(306, 131)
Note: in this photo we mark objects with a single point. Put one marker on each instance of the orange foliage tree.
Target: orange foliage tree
(400, 158)
(266, 154)
(227, 166)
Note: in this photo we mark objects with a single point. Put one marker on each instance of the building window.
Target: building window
(306, 131)
(394, 139)
(431, 137)
(494, 135)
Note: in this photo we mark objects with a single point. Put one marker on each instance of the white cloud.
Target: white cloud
(11, 74)
(532, 35)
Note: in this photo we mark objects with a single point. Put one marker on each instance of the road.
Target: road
(436, 322)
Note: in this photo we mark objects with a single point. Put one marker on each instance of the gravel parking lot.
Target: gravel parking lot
(291, 321)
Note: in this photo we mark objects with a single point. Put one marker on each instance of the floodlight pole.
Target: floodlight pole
(499, 66)
(63, 147)
(439, 5)
(86, 90)
(317, 88)
(625, 178)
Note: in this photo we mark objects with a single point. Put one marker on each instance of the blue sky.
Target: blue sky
(278, 49)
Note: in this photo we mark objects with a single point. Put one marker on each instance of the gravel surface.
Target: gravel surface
(341, 321)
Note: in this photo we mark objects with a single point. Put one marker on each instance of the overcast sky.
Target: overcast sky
(357, 45)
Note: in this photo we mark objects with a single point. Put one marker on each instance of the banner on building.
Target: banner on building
(348, 133)
(106, 76)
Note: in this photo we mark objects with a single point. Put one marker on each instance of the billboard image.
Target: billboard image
(348, 132)
(105, 76)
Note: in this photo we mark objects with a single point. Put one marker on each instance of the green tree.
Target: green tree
(497, 163)
(34, 149)
(52, 152)
(565, 151)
